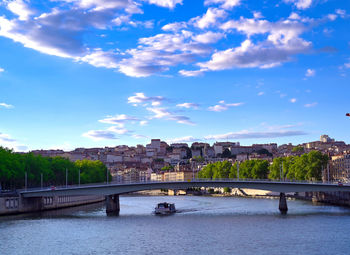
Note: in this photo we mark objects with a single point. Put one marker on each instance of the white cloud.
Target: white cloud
(294, 16)
(293, 100)
(341, 13)
(98, 135)
(332, 16)
(222, 106)
(253, 134)
(282, 41)
(2, 70)
(118, 130)
(6, 138)
(310, 72)
(159, 113)
(7, 106)
(208, 37)
(62, 32)
(210, 18)
(136, 136)
(279, 127)
(102, 5)
(300, 4)
(175, 26)
(163, 113)
(257, 15)
(194, 73)
(165, 3)
(158, 53)
(261, 93)
(310, 105)
(248, 55)
(188, 105)
(281, 31)
(125, 20)
(119, 120)
(185, 139)
(140, 98)
(225, 4)
(347, 65)
(37, 37)
(99, 58)
(20, 8)
(8, 142)
(143, 122)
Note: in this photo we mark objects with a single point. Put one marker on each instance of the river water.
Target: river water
(203, 225)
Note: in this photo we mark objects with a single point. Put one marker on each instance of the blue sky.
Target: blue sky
(95, 73)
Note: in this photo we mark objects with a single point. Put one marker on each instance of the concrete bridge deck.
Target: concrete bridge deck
(122, 188)
(113, 190)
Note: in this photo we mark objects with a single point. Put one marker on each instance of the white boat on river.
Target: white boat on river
(165, 208)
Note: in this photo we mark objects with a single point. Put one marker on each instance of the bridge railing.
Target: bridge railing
(216, 180)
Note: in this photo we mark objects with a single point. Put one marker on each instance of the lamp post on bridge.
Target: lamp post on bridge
(281, 171)
(25, 181)
(238, 170)
(66, 177)
(41, 180)
(79, 177)
(328, 172)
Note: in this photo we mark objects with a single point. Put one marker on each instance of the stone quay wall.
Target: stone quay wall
(18, 204)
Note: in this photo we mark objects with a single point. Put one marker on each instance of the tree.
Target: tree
(188, 153)
(233, 171)
(226, 153)
(298, 149)
(227, 190)
(316, 161)
(260, 169)
(264, 151)
(199, 159)
(275, 169)
(167, 168)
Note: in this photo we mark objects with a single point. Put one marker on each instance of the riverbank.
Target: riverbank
(17, 204)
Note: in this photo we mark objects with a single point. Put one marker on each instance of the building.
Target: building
(178, 176)
(157, 177)
(326, 139)
(340, 169)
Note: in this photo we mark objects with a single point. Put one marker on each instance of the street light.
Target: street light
(25, 181)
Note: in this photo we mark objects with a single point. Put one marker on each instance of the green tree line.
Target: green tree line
(13, 167)
(305, 167)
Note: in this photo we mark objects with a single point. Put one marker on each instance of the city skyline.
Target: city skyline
(112, 72)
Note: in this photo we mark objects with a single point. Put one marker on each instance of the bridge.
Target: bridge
(113, 190)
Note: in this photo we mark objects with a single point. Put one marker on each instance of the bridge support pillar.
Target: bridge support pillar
(112, 205)
(283, 203)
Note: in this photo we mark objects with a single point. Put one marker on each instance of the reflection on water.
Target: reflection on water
(203, 225)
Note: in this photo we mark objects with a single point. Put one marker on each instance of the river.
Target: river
(203, 225)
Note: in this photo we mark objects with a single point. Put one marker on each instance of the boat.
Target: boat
(165, 208)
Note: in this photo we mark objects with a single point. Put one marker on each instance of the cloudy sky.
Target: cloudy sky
(94, 73)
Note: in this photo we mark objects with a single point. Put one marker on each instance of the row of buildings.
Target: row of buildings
(158, 160)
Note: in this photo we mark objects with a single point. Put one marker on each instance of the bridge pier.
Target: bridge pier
(112, 205)
(283, 203)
